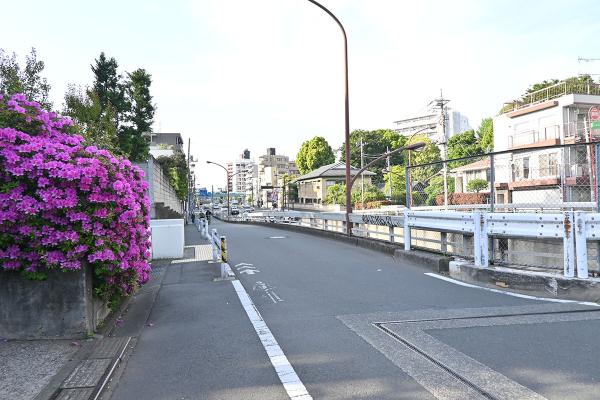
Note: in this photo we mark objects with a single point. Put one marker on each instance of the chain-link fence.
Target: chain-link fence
(528, 179)
(560, 177)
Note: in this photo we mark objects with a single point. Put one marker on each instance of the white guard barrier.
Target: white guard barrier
(167, 238)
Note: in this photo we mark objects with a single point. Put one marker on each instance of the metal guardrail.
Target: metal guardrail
(576, 229)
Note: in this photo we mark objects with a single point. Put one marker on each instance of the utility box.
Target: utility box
(167, 238)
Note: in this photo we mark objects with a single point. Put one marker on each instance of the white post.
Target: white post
(406, 231)
(391, 233)
(581, 245)
(569, 245)
(215, 248)
(481, 241)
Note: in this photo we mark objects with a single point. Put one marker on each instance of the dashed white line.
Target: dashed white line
(522, 296)
(288, 377)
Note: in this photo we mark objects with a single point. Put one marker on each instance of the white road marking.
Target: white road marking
(248, 271)
(288, 377)
(276, 237)
(522, 296)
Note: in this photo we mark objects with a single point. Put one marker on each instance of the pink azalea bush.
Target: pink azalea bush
(63, 204)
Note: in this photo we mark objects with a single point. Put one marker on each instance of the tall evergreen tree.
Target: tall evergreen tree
(141, 115)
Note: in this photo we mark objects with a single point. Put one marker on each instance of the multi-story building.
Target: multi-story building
(430, 123)
(559, 114)
(165, 144)
(243, 172)
(271, 169)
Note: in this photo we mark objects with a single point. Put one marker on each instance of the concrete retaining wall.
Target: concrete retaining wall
(159, 190)
(61, 306)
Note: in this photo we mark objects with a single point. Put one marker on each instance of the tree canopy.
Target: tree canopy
(27, 79)
(314, 153)
(375, 143)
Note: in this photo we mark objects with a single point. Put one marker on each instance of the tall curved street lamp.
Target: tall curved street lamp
(227, 181)
(347, 115)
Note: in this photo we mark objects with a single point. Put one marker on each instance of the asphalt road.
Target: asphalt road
(354, 324)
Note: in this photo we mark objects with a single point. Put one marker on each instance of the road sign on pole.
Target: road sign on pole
(594, 114)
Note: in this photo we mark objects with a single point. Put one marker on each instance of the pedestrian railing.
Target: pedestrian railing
(522, 240)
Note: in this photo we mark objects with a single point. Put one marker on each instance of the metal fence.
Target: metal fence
(476, 235)
(543, 178)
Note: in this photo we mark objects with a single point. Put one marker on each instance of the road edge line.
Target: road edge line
(286, 373)
(519, 295)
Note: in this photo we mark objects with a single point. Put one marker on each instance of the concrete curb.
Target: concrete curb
(531, 283)
(432, 261)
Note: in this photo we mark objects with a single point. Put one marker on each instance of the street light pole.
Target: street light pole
(226, 183)
(347, 116)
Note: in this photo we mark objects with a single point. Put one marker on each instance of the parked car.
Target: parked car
(235, 211)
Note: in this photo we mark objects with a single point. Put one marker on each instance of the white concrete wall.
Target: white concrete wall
(167, 238)
(160, 190)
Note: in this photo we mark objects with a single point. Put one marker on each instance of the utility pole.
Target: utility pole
(189, 210)
(362, 184)
(441, 104)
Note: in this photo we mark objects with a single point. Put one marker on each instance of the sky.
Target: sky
(237, 74)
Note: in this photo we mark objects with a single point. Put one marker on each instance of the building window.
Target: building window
(548, 165)
(521, 169)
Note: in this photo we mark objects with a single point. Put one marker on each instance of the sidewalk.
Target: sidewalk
(196, 342)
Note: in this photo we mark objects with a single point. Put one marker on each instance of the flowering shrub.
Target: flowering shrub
(63, 204)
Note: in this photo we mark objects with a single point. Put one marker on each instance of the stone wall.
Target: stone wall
(61, 306)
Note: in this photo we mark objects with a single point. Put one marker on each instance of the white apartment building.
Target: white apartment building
(244, 172)
(552, 116)
(430, 124)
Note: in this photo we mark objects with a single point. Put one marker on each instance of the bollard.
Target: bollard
(224, 265)
(215, 245)
(206, 234)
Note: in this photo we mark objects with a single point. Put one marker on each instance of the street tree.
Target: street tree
(465, 144)
(27, 80)
(314, 153)
(486, 135)
(336, 194)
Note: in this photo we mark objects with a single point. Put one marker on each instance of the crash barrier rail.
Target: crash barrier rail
(480, 232)
(219, 250)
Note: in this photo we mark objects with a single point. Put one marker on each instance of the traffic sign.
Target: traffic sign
(594, 115)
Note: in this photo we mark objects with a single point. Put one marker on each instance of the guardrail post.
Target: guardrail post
(406, 234)
(391, 232)
(569, 245)
(481, 248)
(325, 224)
(581, 245)
(444, 242)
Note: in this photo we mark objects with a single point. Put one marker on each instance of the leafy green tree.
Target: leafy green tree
(371, 193)
(477, 185)
(140, 117)
(375, 143)
(314, 153)
(463, 144)
(486, 135)
(97, 126)
(27, 80)
(336, 194)
(436, 188)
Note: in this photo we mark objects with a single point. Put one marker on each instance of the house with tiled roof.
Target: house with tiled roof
(312, 187)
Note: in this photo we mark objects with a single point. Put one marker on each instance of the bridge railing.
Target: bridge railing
(532, 241)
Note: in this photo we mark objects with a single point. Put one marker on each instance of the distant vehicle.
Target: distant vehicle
(216, 206)
(248, 208)
(235, 211)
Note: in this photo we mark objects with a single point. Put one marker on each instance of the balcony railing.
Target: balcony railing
(533, 136)
(552, 92)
